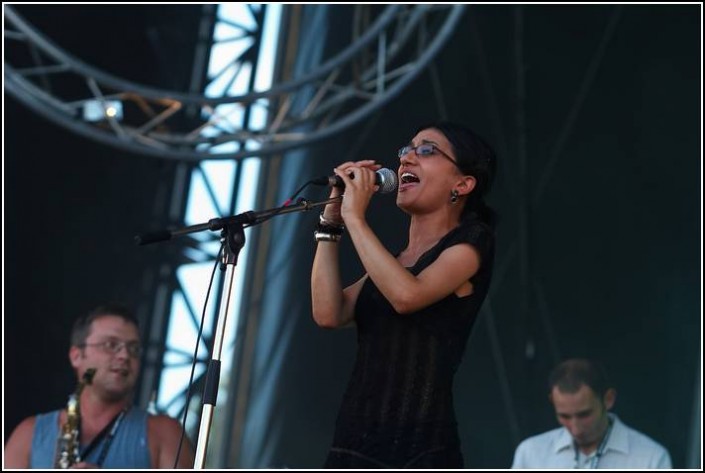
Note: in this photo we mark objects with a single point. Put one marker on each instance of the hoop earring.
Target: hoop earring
(454, 196)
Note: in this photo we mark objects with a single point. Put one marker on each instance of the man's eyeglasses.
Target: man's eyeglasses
(134, 349)
(424, 150)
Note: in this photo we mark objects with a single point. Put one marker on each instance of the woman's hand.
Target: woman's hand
(367, 167)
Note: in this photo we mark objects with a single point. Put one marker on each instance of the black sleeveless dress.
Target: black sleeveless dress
(397, 411)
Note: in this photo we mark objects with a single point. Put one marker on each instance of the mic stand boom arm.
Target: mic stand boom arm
(246, 219)
(233, 238)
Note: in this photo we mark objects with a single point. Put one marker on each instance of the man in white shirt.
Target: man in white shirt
(591, 437)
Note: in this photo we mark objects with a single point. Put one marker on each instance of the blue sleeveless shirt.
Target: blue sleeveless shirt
(128, 449)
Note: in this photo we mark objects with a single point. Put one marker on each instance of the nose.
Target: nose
(405, 158)
(574, 427)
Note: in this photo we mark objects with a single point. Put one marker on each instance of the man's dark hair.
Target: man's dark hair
(573, 373)
(82, 325)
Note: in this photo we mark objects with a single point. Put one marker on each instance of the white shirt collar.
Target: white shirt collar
(617, 440)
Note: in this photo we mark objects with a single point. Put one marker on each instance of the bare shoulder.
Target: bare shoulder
(165, 443)
(25, 427)
(163, 426)
(19, 444)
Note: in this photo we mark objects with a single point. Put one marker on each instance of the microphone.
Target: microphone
(386, 179)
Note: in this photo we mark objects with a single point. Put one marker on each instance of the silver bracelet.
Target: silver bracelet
(322, 236)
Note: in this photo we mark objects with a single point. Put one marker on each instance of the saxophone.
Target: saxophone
(68, 443)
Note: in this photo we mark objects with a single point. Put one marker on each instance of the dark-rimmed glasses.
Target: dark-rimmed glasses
(425, 150)
(112, 347)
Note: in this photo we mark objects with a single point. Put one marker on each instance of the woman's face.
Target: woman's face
(426, 174)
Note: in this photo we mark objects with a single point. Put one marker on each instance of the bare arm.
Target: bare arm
(333, 306)
(404, 291)
(164, 435)
(18, 446)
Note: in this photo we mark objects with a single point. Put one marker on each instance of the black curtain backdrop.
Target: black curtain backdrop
(610, 270)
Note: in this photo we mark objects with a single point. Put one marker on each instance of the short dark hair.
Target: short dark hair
(82, 325)
(571, 374)
(474, 155)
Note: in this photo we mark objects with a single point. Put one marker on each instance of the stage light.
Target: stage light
(96, 110)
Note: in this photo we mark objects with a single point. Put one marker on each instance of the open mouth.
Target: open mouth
(120, 371)
(408, 179)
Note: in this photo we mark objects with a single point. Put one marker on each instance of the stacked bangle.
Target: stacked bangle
(327, 223)
(328, 231)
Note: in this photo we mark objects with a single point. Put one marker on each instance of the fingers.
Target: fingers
(359, 177)
(365, 163)
(362, 173)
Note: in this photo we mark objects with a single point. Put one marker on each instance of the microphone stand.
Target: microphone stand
(233, 238)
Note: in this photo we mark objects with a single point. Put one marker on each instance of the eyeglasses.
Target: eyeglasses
(424, 150)
(134, 349)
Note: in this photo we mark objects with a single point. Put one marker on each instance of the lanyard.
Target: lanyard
(600, 450)
(110, 429)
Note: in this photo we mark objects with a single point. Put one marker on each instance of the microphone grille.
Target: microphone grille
(388, 180)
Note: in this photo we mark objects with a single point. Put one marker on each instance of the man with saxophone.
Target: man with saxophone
(100, 427)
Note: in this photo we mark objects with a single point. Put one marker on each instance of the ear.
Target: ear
(75, 356)
(466, 185)
(609, 398)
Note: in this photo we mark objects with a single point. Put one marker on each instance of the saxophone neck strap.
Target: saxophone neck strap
(108, 433)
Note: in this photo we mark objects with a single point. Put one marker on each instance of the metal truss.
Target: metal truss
(383, 58)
